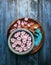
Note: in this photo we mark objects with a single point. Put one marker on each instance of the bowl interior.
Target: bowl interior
(25, 52)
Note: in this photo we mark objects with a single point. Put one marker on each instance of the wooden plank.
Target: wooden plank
(44, 18)
(11, 10)
(27, 8)
(7, 15)
(2, 40)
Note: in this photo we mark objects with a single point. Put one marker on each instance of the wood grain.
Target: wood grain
(11, 10)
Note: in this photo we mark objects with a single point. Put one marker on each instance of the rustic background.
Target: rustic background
(11, 10)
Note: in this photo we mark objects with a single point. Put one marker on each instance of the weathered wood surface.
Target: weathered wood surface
(11, 10)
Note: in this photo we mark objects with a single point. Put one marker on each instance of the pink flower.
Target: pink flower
(20, 49)
(26, 36)
(31, 23)
(17, 34)
(19, 26)
(29, 44)
(15, 25)
(12, 30)
(19, 42)
(17, 48)
(29, 38)
(19, 22)
(18, 38)
(13, 45)
(26, 19)
(22, 23)
(22, 33)
(25, 22)
(22, 36)
(28, 47)
(25, 48)
(24, 40)
(28, 25)
(13, 40)
(22, 45)
(28, 41)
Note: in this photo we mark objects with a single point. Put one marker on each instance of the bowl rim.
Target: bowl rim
(22, 53)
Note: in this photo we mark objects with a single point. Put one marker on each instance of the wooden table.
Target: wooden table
(11, 10)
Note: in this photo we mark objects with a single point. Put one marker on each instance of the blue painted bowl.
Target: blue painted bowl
(25, 52)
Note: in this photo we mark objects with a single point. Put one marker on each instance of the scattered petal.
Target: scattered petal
(28, 25)
(15, 25)
(26, 19)
(19, 22)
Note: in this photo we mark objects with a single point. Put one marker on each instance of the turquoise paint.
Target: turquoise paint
(38, 37)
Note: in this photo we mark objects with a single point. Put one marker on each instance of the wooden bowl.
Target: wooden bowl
(32, 28)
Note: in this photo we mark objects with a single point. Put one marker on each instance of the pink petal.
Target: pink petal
(19, 22)
(25, 48)
(19, 26)
(25, 22)
(26, 19)
(12, 30)
(20, 49)
(17, 48)
(31, 23)
(15, 25)
(22, 23)
(28, 25)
